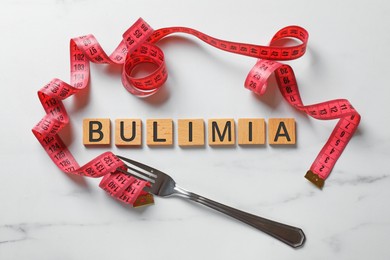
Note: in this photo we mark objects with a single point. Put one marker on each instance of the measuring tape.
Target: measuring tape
(138, 46)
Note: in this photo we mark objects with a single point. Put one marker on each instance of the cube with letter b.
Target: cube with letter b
(96, 131)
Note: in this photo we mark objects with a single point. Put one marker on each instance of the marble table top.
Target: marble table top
(46, 214)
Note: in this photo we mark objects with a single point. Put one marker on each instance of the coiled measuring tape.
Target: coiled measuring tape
(138, 46)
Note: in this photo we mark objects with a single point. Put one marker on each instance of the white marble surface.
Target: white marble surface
(45, 214)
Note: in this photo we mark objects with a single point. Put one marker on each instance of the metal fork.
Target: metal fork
(164, 186)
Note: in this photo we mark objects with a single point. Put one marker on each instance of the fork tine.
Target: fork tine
(142, 172)
(148, 189)
(141, 168)
(137, 175)
(147, 168)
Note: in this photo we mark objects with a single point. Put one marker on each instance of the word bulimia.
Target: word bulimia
(191, 132)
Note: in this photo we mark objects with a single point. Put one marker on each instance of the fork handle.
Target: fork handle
(290, 235)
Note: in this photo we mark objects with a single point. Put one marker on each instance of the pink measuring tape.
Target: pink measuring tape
(138, 46)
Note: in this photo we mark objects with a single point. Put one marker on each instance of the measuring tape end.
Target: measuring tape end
(144, 200)
(315, 179)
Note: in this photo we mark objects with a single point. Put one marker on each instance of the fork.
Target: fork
(161, 184)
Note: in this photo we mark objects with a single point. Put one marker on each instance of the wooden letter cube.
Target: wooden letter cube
(191, 132)
(128, 132)
(159, 132)
(251, 131)
(96, 131)
(281, 131)
(221, 132)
